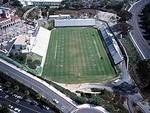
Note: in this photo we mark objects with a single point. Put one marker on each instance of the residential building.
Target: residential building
(8, 17)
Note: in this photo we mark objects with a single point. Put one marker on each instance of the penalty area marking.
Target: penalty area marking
(55, 50)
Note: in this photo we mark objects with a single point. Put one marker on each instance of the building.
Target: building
(52, 3)
(8, 17)
(20, 45)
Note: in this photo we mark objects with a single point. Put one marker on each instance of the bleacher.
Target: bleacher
(112, 45)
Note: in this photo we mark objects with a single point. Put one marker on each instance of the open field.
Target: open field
(77, 55)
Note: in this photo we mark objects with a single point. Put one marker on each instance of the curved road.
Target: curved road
(136, 35)
(66, 105)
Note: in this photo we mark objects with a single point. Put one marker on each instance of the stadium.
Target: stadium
(78, 53)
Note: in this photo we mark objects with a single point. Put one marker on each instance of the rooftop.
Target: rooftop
(41, 41)
(21, 40)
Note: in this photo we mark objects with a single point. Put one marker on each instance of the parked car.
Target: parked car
(55, 101)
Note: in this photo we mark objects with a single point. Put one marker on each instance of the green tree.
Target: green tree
(16, 87)
(124, 28)
(15, 3)
(38, 96)
(4, 109)
(124, 15)
(7, 84)
(143, 71)
(80, 100)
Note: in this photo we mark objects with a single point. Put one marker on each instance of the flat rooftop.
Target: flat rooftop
(20, 40)
(41, 42)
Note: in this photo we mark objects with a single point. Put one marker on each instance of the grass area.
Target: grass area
(131, 51)
(77, 55)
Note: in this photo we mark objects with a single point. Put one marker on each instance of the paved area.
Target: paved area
(136, 34)
(88, 110)
(24, 106)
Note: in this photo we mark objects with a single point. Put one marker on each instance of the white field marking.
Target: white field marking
(55, 50)
(97, 49)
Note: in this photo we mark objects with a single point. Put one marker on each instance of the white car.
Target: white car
(55, 101)
(10, 106)
(1, 89)
(45, 107)
(17, 110)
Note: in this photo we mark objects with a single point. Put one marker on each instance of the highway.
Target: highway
(136, 35)
(65, 104)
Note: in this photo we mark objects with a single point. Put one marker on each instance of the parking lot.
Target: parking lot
(17, 104)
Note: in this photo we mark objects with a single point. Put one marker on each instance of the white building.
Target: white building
(53, 3)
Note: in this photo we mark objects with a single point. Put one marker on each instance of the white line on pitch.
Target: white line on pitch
(97, 49)
(55, 50)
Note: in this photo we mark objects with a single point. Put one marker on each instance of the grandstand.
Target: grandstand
(111, 45)
(74, 22)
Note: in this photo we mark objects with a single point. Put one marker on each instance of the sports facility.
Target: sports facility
(77, 55)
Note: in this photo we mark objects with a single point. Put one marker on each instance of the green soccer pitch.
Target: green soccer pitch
(77, 55)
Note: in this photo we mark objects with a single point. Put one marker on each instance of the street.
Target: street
(136, 34)
(65, 104)
(23, 105)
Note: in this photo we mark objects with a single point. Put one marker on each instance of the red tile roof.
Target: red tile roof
(13, 18)
(2, 19)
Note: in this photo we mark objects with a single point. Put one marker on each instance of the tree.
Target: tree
(143, 71)
(16, 87)
(27, 93)
(124, 28)
(4, 109)
(7, 84)
(38, 96)
(16, 3)
(124, 15)
(80, 100)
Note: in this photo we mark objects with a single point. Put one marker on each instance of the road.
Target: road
(65, 104)
(136, 34)
(24, 106)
